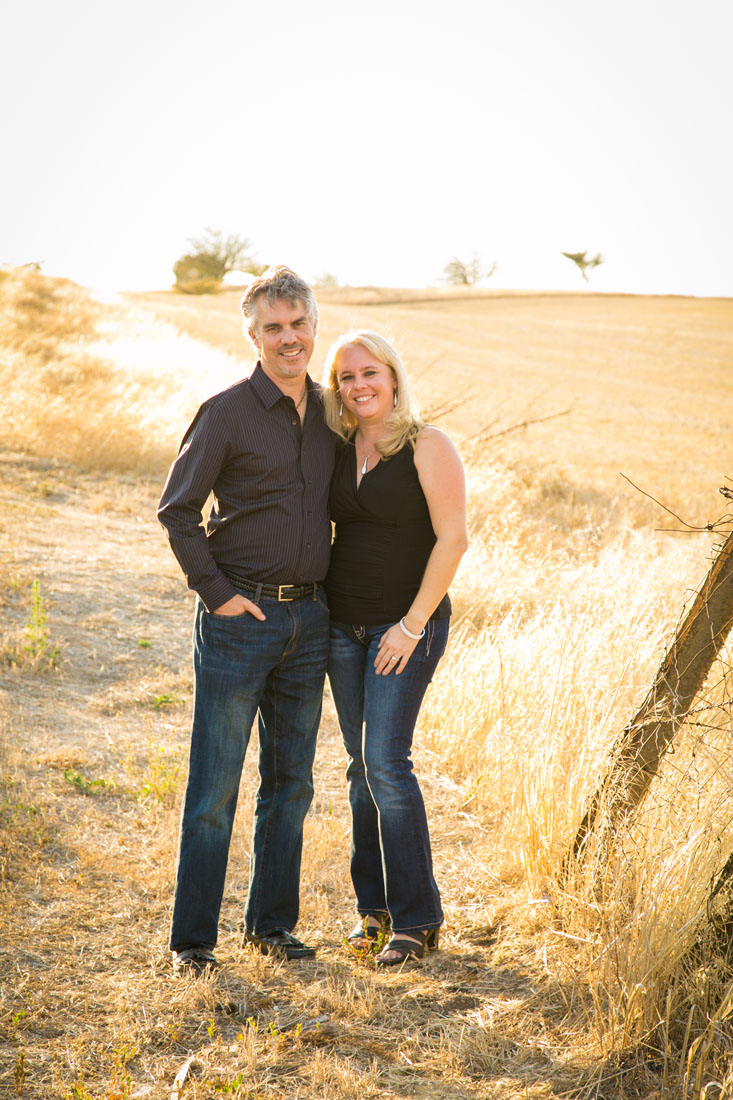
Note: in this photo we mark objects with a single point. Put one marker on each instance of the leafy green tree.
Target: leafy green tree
(211, 256)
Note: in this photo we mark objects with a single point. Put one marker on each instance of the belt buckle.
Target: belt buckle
(281, 598)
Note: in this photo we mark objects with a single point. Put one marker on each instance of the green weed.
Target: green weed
(168, 699)
(232, 1087)
(122, 1081)
(35, 650)
(87, 786)
(12, 812)
(36, 631)
(79, 1092)
(163, 773)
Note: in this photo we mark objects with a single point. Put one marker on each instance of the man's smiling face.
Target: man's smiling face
(284, 335)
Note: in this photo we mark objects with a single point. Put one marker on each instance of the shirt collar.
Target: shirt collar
(269, 393)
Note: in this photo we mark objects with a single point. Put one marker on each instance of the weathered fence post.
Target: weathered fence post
(638, 752)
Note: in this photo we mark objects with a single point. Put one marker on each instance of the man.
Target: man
(261, 629)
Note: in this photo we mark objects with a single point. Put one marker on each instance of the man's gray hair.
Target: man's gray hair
(275, 285)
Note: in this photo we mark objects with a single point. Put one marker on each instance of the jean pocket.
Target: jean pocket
(233, 624)
(321, 598)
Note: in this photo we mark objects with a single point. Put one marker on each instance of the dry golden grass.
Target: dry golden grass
(563, 607)
(101, 387)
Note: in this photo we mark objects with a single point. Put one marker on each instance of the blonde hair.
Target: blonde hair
(403, 423)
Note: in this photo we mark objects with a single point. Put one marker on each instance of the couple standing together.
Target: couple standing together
(282, 458)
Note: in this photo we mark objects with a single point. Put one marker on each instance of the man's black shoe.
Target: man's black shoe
(193, 960)
(281, 943)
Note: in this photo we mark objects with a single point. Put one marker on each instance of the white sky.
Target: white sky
(374, 142)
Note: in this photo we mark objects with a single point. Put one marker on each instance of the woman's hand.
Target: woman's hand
(395, 650)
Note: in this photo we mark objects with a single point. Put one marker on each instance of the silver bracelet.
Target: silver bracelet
(415, 637)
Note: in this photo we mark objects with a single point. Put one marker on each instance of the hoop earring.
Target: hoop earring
(341, 409)
(394, 398)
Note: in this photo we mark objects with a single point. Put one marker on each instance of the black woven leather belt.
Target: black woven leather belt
(282, 592)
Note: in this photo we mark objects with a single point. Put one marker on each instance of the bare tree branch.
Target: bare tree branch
(484, 435)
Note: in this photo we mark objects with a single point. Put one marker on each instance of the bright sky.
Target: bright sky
(372, 141)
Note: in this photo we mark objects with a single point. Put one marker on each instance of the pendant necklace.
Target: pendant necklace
(364, 469)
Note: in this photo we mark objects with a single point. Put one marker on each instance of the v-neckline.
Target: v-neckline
(358, 475)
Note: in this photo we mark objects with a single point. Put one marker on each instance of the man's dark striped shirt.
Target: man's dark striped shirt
(270, 479)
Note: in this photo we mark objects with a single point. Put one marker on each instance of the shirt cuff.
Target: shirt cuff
(216, 592)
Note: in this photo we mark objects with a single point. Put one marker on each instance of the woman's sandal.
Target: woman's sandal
(406, 949)
(367, 934)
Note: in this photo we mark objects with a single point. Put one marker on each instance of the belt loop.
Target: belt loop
(258, 594)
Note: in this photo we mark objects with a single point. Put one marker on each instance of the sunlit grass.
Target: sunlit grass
(563, 607)
(106, 387)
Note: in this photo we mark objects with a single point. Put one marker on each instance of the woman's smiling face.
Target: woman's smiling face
(366, 384)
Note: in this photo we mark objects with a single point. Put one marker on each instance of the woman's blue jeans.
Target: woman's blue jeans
(244, 668)
(391, 861)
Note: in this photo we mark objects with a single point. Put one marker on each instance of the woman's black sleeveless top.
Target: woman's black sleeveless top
(383, 540)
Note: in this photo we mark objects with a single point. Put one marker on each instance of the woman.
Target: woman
(398, 503)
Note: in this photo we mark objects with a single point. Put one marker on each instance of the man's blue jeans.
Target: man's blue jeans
(245, 668)
(391, 861)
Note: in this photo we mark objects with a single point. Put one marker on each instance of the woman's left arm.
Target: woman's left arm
(442, 480)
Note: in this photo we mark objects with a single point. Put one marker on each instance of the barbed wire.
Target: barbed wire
(720, 524)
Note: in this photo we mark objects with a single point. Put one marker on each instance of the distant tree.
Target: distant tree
(189, 278)
(327, 279)
(585, 263)
(212, 256)
(466, 272)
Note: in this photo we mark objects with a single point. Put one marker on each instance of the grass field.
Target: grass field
(564, 604)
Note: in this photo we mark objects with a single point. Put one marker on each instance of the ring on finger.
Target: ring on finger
(394, 658)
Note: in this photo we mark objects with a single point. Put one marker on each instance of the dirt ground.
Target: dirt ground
(94, 755)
